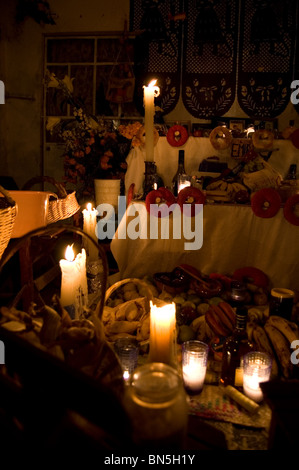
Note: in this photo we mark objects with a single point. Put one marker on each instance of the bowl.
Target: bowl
(32, 211)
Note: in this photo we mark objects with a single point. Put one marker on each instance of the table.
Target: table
(233, 237)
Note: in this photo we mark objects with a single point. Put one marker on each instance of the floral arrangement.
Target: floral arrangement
(92, 148)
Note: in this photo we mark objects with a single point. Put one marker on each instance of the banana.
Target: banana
(201, 332)
(223, 186)
(282, 349)
(238, 187)
(197, 323)
(249, 329)
(214, 185)
(260, 338)
(284, 326)
(230, 189)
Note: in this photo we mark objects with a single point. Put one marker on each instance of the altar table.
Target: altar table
(233, 237)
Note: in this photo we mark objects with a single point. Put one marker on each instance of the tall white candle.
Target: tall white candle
(162, 334)
(150, 92)
(74, 293)
(89, 227)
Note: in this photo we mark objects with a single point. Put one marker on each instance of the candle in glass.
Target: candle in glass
(89, 227)
(73, 294)
(257, 369)
(150, 92)
(162, 334)
(194, 365)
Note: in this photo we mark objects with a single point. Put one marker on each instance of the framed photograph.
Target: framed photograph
(237, 125)
(186, 124)
(200, 129)
(268, 124)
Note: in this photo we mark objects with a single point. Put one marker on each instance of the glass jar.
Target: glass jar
(157, 406)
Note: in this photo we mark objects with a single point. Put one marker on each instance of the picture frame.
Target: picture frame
(186, 124)
(268, 124)
(237, 125)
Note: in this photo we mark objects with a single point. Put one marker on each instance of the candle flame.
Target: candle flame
(69, 253)
(89, 207)
(152, 83)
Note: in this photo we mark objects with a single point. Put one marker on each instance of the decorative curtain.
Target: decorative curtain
(209, 58)
(157, 49)
(231, 48)
(266, 56)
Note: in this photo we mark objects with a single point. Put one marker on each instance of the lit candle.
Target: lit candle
(89, 227)
(194, 365)
(257, 369)
(73, 293)
(150, 92)
(162, 334)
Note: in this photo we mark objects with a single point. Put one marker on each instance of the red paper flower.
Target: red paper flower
(266, 202)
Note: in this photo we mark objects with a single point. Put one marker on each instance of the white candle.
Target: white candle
(257, 369)
(251, 386)
(150, 92)
(74, 293)
(162, 334)
(194, 373)
(89, 227)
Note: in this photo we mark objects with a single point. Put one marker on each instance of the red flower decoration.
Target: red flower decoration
(191, 196)
(177, 135)
(266, 202)
(288, 209)
(158, 201)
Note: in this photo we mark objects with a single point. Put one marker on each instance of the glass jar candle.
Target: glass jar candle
(157, 406)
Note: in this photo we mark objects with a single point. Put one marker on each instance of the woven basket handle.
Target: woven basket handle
(7, 196)
(115, 286)
(61, 191)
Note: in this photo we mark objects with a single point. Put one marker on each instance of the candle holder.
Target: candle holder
(257, 369)
(194, 365)
(157, 405)
(151, 179)
(127, 352)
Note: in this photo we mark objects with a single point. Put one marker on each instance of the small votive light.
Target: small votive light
(183, 182)
(127, 352)
(257, 369)
(194, 365)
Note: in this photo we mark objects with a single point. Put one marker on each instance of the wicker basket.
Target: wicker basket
(114, 315)
(7, 220)
(64, 206)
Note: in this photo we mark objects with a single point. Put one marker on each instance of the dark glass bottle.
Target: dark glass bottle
(234, 348)
(292, 173)
(181, 173)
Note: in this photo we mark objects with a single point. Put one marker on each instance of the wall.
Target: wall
(21, 65)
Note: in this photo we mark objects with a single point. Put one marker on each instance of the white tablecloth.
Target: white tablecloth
(233, 237)
(196, 150)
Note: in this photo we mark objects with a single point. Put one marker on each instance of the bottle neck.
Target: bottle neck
(181, 165)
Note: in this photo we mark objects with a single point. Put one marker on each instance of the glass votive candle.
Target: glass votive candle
(257, 369)
(194, 365)
(127, 351)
